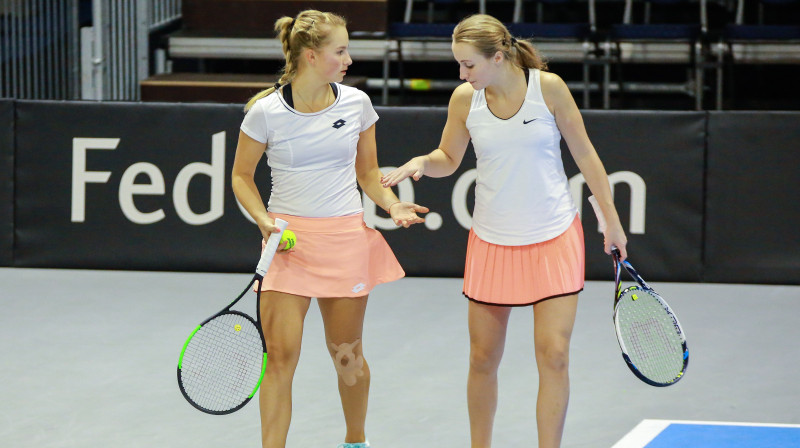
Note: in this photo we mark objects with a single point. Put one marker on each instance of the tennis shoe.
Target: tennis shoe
(354, 445)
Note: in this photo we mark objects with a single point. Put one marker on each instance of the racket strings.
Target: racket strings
(649, 337)
(222, 363)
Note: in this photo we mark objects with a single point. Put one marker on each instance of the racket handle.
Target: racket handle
(601, 219)
(272, 245)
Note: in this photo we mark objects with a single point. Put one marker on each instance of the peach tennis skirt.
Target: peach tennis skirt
(524, 275)
(333, 257)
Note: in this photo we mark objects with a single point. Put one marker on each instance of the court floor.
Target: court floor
(89, 360)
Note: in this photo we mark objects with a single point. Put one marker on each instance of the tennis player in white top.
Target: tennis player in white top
(319, 138)
(526, 243)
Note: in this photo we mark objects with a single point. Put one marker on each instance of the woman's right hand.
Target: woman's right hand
(268, 227)
(414, 168)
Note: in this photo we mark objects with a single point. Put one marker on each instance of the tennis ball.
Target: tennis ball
(237, 327)
(420, 84)
(289, 238)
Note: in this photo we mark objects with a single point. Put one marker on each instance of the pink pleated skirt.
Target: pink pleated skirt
(524, 275)
(333, 257)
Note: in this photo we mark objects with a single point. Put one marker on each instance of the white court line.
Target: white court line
(643, 433)
(648, 429)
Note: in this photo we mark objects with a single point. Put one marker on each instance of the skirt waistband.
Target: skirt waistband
(334, 224)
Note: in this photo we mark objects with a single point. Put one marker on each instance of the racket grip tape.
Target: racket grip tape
(601, 219)
(270, 248)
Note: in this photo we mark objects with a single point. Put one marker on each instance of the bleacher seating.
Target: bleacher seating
(614, 34)
(565, 37)
(430, 36)
(763, 32)
(650, 32)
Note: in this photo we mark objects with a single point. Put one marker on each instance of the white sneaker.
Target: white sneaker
(354, 445)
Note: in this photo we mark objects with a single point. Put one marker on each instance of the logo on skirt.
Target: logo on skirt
(359, 287)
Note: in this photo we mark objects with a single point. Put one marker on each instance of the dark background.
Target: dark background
(6, 182)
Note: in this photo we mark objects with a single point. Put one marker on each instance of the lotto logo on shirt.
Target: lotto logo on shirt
(338, 123)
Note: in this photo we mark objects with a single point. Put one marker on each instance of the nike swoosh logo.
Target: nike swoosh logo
(526, 122)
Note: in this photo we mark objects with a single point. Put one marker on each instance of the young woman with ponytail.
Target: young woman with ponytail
(526, 242)
(319, 138)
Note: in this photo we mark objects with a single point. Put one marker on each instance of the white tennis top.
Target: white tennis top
(521, 193)
(312, 155)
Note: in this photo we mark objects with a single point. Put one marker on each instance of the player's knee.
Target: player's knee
(554, 357)
(483, 359)
(282, 357)
(349, 361)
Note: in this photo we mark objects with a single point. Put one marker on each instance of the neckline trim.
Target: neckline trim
(527, 90)
(287, 101)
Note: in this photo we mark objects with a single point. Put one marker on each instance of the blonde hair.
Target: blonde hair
(488, 35)
(310, 29)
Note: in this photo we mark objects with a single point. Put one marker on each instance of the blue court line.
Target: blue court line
(726, 436)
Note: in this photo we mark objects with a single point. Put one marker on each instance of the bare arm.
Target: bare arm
(248, 153)
(368, 174)
(570, 123)
(444, 160)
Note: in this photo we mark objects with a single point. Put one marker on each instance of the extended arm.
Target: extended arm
(444, 160)
(570, 123)
(369, 175)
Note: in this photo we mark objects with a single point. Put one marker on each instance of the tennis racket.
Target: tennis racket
(651, 338)
(223, 361)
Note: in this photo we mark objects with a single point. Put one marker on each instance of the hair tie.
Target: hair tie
(292, 25)
(513, 40)
(277, 86)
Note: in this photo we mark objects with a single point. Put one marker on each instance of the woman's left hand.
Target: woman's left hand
(615, 237)
(405, 213)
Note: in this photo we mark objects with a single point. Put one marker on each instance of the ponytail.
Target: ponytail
(527, 56)
(488, 35)
(310, 29)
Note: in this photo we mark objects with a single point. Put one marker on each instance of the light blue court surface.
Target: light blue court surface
(687, 434)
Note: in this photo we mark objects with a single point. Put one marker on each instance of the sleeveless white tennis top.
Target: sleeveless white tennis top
(312, 155)
(521, 194)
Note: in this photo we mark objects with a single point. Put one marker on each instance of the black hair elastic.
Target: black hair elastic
(513, 40)
(277, 86)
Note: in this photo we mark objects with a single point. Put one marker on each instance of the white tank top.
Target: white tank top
(521, 193)
(312, 155)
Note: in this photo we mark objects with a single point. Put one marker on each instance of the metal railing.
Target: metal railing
(39, 57)
(44, 54)
(118, 45)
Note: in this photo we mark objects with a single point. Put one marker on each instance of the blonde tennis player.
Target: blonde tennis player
(319, 138)
(526, 244)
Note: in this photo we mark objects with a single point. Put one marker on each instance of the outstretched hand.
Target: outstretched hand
(414, 168)
(405, 213)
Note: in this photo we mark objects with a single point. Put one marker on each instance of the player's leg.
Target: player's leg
(344, 321)
(487, 336)
(553, 322)
(282, 317)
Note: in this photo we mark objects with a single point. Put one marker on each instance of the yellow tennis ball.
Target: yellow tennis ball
(237, 327)
(289, 238)
(420, 84)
